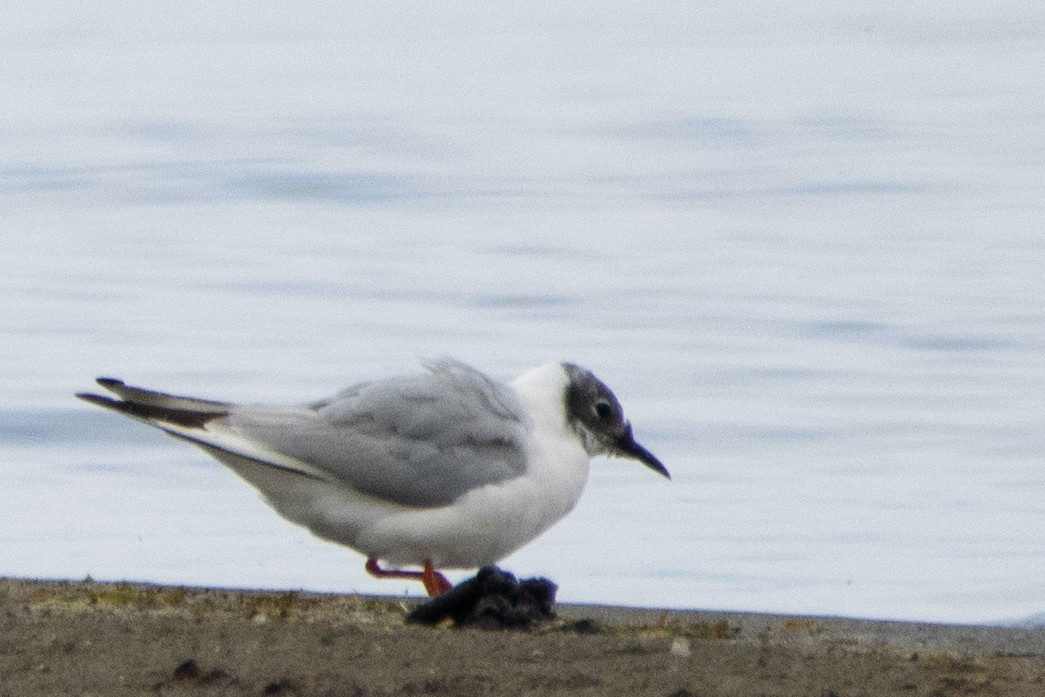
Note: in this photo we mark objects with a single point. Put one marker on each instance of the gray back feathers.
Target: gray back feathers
(421, 440)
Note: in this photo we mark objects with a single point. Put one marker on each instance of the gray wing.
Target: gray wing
(420, 440)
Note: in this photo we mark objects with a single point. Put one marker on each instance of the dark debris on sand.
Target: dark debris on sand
(492, 599)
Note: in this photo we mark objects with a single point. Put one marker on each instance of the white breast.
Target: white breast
(490, 522)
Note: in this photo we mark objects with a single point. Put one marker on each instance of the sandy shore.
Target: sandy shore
(87, 638)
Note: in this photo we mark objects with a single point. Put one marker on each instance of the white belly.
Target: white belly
(482, 527)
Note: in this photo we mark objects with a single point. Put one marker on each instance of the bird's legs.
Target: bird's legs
(435, 582)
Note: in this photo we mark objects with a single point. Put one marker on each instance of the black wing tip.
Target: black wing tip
(111, 384)
(98, 399)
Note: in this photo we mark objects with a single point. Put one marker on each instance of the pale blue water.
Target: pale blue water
(805, 248)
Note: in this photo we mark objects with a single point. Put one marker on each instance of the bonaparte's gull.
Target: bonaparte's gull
(448, 468)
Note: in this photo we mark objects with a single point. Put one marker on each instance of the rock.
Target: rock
(492, 599)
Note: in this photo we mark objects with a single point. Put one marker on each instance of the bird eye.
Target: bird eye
(603, 410)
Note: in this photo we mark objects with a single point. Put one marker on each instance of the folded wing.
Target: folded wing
(420, 440)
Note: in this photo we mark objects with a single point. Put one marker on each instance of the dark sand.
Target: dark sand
(106, 639)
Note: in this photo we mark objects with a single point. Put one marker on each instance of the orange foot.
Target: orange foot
(435, 582)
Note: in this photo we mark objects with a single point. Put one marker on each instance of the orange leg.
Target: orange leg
(435, 582)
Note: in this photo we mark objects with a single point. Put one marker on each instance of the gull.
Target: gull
(448, 468)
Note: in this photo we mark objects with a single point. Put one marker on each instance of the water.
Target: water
(805, 249)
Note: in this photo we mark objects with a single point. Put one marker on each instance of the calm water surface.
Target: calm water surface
(806, 251)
